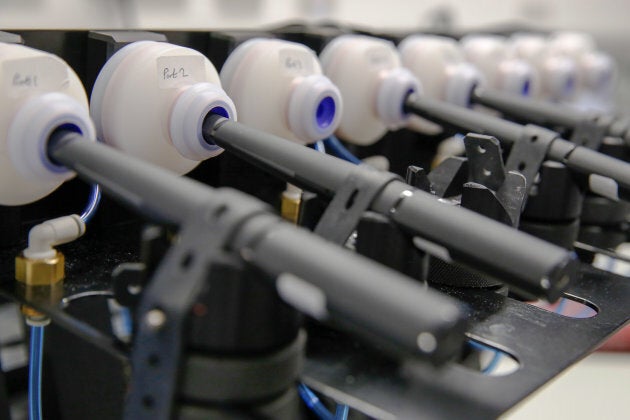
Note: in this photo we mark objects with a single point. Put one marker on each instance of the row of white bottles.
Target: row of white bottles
(151, 98)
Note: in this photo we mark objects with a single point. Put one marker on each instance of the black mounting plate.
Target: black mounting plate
(349, 371)
(543, 342)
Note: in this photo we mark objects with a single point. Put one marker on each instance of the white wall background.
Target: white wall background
(603, 16)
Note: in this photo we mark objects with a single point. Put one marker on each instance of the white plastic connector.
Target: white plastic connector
(292, 192)
(43, 237)
(32, 127)
(368, 73)
(560, 78)
(278, 87)
(314, 109)
(557, 73)
(188, 115)
(150, 100)
(440, 66)
(462, 79)
(517, 77)
(596, 71)
(396, 85)
(39, 94)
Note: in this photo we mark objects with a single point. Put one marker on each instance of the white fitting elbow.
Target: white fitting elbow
(43, 237)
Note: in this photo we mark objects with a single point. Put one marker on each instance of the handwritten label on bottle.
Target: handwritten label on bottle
(174, 71)
(25, 75)
(296, 62)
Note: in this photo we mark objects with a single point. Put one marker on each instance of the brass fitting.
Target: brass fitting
(40, 272)
(290, 207)
(40, 280)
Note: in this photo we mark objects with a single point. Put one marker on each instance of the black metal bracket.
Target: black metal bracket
(533, 336)
(528, 153)
(486, 188)
(164, 308)
(345, 210)
(591, 132)
(492, 191)
(485, 163)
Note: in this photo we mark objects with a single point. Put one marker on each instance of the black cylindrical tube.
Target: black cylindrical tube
(365, 296)
(529, 110)
(303, 166)
(530, 264)
(146, 188)
(463, 118)
(356, 291)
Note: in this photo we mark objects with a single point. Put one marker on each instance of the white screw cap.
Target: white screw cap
(462, 78)
(516, 76)
(599, 71)
(396, 84)
(187, 117)
(314, 109)
(560, 77)
(30, 131)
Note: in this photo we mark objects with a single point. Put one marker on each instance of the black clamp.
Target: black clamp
(168, 299)
(345, 210)
(482, 181)
(529, 152)
(492, 190)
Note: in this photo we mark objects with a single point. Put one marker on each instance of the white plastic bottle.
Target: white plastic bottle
(39, 93)
(596, 70)
(150, 100)
(278, 87)
(490, 54)
(557, 72)
(373, 85)
(441, 67)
